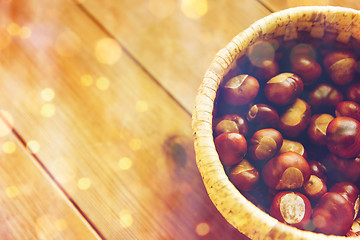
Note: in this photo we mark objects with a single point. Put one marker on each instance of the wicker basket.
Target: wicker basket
(236, 209)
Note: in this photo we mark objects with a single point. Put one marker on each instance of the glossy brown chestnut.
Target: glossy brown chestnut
(286, 171)
(317, 128)
(318, 169)
(230, 123)
(264, 144)
(306, 68)
(264, 69)
(314, 188)
(350, 192)
(295, 119)
(292, 208)
(353, 92)
(333, 214)
(244, 176)
(240, 90)
(284, 88)
(292, 146)
(231, 148)
(344, 169)
(348, 109)
(341, 66)
(343, 137)
(263, 116)
(325, 96)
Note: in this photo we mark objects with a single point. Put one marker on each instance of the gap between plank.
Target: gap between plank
(48, 173)
(265, 6)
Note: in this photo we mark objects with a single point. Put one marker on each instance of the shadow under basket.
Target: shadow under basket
(341, 23)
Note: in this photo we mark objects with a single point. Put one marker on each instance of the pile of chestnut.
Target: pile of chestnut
(287, 130)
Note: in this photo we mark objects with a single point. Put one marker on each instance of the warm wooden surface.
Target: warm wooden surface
(99, 95)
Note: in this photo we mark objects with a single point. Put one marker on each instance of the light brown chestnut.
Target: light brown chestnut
(231, 148)
(314, 188)
(230, 123)
(292, 146)
(264, 144)
(348, 109)
(341, 66)
(317, 128)
(240, 90)
(286, 171)
(350, 192)
(306, 68)
(244, 176)
(292, 208)
(262, 116)
(325, 96)
(295, 119)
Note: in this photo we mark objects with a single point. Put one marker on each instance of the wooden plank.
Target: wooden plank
(32, 206)
(117, 143)
(277, 5)
(175, 40)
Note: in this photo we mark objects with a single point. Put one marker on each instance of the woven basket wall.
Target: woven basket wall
(236, 209)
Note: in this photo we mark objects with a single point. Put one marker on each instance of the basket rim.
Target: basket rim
(235, 208)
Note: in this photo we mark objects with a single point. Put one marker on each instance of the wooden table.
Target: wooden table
(95, 115)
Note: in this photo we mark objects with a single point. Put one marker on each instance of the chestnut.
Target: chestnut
(292, 208)
(317, 128)
(231, 147)
(314, 188)
(341, 66)
(353, 92)
(263, 116)
(295, 119)
(348, 109)
(283, 89)
(318, 169)
(292, 146)
(286, 171)
(350, 192)
(264, 69)
(264, 144)
(240, 90)
(261, 50)
(244, 175)
(343, 137)
(325, 96)
(230, 123)
(333, 214)
(306, 68)
(343, 169)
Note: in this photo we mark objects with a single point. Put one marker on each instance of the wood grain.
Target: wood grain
(175, 40)
(32, 207)
(118, 144)
(277, 5)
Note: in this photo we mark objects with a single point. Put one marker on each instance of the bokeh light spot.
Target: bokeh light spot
(84, 183)
(86, 80)
(141, 106)
(6, 123)
(61, 224)
(48, 94)
(126, 219)
(202, 229)
(12, 192)
(107, 51)
(194, 8)
(9, 147)
(135, 144)
(102, 83)
(125, 163)
(67, 44)
(48, 110)
(161, 8)
(13, 29)
(33, 146)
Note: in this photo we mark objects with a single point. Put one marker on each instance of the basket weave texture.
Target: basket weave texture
(235, 208)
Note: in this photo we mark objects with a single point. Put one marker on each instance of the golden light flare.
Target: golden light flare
(6, 123)
(17, 31)
(84, 183)
(12, 191)
(135, 144)
(9, 147)
(48, 94)
(194, 9)
(33, 146)
(125, 163)
(161, 8)
(107, 51)
(67, 43)
(61, 225)
(48, 110)
(202, 229)
(5, 39)
(125, 218)
(102, 83)
(141, 106)
(86, 80)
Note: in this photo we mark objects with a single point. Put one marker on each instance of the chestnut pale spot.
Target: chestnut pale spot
(280, 78)
(292, 178)
(322, 122)
(266, 146)
(292, 146)
(313, 186)
(292, 208)
(294, 115)
(253, 112)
